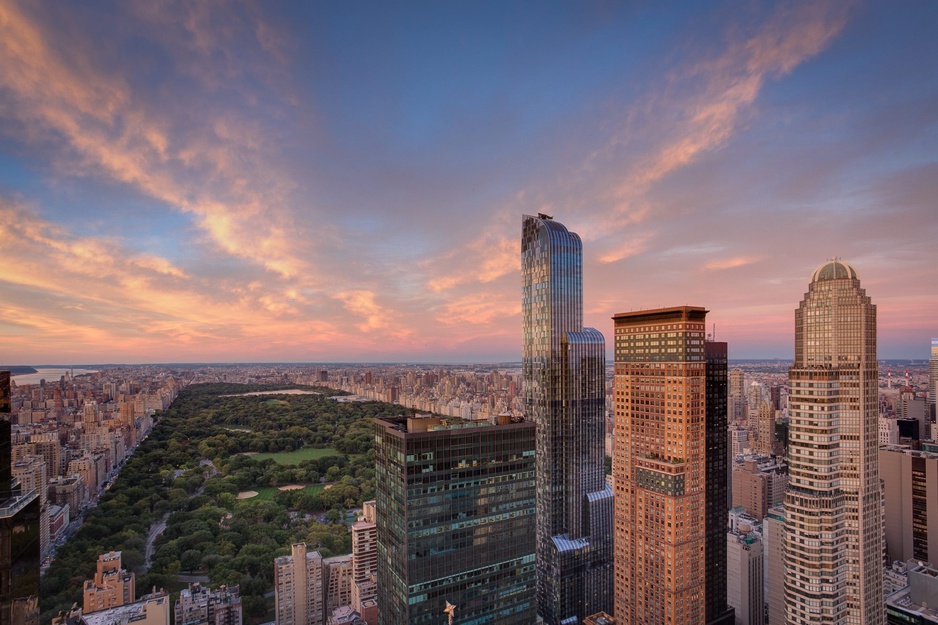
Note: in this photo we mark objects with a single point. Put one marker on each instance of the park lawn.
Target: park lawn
(297, 456)
(267, 492)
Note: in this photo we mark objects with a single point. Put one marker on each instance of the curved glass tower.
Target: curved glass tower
(564, 393)
(833, 538)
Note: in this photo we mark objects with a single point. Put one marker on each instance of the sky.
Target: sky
(345, 181)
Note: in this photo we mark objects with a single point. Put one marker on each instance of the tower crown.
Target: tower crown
(835, 269)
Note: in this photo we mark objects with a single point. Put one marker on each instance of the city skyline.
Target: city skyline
(291, 183)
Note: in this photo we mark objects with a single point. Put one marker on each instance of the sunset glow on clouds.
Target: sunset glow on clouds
(214, 181)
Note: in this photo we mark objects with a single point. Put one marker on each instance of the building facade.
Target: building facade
(911, 497)
(660, 466)
(744, 577)
(455, 518)
(112, 585)
(932, 379)
(364, 559)
(298, 587)
(19, 531)
(564, 394)
(200, 605)
(718, 481)
(834, 526)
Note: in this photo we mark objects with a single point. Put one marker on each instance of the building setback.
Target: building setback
(455, 518)
(660, 467)
(834, 526)
(563, 365)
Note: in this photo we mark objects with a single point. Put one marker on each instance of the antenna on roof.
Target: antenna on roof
(545, 216)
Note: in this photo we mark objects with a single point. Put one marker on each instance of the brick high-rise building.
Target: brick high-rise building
(298, 598)
(564, 394)
(660, 466)
(364, 558)
(112, 585)
(834, 527)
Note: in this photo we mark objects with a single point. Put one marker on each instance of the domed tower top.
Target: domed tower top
(835, 269)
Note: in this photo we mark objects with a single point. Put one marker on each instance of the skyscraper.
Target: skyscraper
(455, 520)
(834, 528)
(933, 381)
(660, 468)
(564, 367)
(298, 587)
(718, 483)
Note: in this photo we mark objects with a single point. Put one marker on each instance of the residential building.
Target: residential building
(364, 558)
(112, 585)
(834, 506)
(759, 483)
(455, 503)
(563, 365)
(336, 582)
(31, 473)
(200, 605)
(660, 466)
(932, 379)
(150, 610)
(298, 593)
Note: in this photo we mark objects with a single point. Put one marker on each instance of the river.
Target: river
(49, 374)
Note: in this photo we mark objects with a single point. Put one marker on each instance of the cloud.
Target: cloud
(731, 263)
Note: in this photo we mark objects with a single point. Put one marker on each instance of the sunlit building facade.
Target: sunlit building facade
(563, 366)
(659, 466)
(833, 540)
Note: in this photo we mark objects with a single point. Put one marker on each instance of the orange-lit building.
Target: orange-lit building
(659, 466)
(112, 586)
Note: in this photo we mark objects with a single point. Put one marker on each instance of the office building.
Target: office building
(19, 531)
(744, 576)
(834, 531)
(718, 481)
(916, 603)
(911, 497)
(298, 587)
(455, 505)
(660, 466)
(112, 585)
(773, 537)
(200, 605)
(564, 394)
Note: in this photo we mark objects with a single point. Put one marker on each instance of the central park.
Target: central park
(224, 483)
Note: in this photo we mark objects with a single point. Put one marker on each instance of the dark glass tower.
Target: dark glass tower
(19, 532)
(564, 374)
(717, 476)
(455, 521)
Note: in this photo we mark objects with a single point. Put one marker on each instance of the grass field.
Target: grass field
(268, 492)
(298, 456)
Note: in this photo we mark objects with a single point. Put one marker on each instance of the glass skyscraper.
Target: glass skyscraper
(455, 521)
(564, 373)
(833, 541)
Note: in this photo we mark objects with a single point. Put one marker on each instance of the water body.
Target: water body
(48, 374)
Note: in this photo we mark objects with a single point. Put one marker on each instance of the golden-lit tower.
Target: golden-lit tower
(659, 466)
(833, 539)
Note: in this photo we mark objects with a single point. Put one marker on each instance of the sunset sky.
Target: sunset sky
(345, 181)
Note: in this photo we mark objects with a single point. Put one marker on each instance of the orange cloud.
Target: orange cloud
(731, 263)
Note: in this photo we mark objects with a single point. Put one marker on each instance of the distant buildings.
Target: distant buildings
(455, 505)
(759, 484)
(834, 531)
(298, 597)
(564, 394)
(112, 585)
